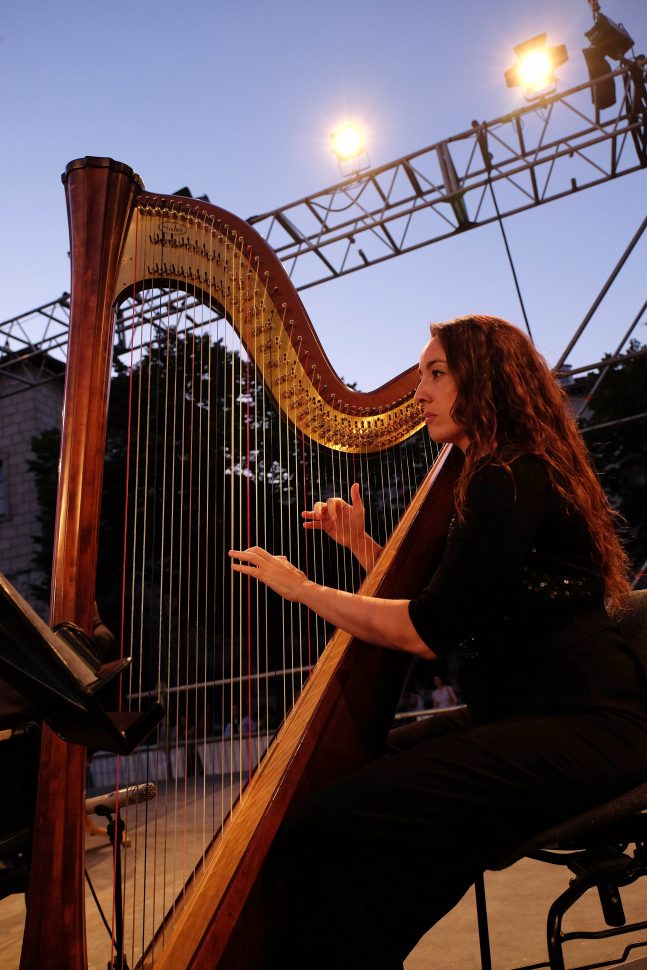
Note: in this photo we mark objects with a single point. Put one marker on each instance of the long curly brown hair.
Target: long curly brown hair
(510, 404)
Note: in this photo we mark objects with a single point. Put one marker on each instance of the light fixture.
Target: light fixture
(607, 39)
(603, 92)
(534, 70)
(347, 141)
(610, 39)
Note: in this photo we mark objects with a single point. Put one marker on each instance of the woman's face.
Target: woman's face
(437, 393)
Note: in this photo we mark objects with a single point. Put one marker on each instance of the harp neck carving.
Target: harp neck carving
(200, 248)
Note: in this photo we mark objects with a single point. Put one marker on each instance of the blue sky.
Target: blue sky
(237, 100)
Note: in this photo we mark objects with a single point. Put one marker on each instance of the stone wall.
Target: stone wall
(21, 417)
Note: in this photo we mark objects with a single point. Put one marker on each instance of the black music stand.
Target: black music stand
(57, 672)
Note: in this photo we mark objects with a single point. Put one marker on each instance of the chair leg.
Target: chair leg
(482, 921)
(555, 915)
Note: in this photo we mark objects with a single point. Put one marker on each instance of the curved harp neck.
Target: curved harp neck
(172, 242)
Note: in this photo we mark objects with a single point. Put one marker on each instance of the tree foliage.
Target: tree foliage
(617, 443)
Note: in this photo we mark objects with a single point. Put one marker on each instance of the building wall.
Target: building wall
(21, 417)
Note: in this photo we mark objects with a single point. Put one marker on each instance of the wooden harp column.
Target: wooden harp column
(55, 928)
(122, 239)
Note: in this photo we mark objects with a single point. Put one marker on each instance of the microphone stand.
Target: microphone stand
(115, 831)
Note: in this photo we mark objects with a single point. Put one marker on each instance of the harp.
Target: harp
(127, 243)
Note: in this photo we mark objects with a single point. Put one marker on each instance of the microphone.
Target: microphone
(110, 802)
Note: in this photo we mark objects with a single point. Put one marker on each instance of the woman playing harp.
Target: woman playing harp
(556, 717)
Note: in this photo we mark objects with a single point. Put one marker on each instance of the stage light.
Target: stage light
(534, 70)
(347, 141)
(603, 92)
(610, 39)
(607, 39)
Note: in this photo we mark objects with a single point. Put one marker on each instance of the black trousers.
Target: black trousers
(369, 864)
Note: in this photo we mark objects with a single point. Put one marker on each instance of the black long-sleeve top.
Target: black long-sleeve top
(517, 595)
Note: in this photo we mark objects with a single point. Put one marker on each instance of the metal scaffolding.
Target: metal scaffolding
(553, 148)
(550, 149)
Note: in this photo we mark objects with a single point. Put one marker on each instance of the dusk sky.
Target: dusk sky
(238, 100)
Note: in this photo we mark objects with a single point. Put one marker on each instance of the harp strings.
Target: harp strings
(210, 464)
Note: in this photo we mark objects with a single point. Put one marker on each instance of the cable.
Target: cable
(481, 138)
(510, 260)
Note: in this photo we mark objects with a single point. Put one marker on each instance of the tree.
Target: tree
(616, 439)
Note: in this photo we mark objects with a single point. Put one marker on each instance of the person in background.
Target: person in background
(232, 728)
(443, 695)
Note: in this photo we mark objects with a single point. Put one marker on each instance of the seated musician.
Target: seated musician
(556, 717)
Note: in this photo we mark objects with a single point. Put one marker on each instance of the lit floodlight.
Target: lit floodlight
(347, 141)
(535, 68)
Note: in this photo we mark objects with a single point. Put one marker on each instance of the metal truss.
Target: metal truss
(540, 153)
(155, 311)
(35, 345)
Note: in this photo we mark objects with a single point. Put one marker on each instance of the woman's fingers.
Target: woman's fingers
(252, 560)
(316, 512)
(336, 517)
(246, 570)
(322, 516)
(275, 571)
(315, 518)
(255, 556)
(335, 506)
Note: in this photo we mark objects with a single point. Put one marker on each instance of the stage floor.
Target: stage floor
(518, 901)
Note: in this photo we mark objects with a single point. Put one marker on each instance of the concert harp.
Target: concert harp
(202, 475)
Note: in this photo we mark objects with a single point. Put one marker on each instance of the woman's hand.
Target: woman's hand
(275, 571)
(344, 523)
